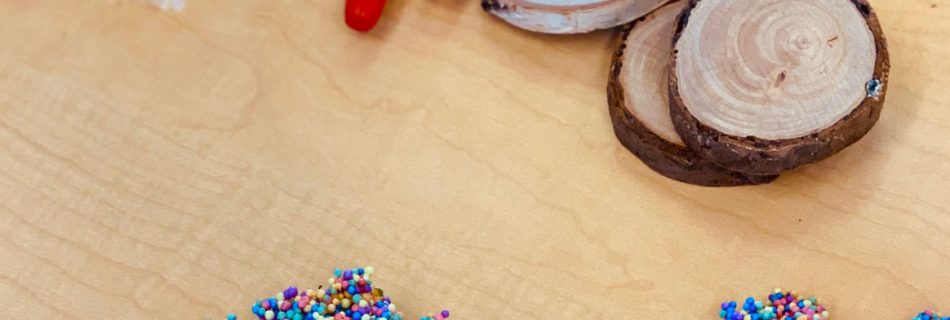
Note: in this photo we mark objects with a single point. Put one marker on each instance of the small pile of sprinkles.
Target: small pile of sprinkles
(349, 295)
(780, 305)
(930, 315)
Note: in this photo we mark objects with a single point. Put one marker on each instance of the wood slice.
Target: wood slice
(639, 104)
(768, 85)
(569, 16)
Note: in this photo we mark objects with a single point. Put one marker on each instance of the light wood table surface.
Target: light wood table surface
(159, 165)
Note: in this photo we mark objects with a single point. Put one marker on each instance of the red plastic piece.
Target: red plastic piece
(362, 15)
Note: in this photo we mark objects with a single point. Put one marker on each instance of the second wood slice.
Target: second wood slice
(640, 109)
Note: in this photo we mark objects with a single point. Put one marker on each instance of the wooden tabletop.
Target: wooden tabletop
(160, 165)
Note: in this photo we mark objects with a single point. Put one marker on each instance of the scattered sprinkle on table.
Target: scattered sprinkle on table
(349, 295)
(930, 315)
(780, 305)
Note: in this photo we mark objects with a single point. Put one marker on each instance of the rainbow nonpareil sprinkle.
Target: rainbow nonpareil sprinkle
(780, 306)
(930, 315)
(349, 295)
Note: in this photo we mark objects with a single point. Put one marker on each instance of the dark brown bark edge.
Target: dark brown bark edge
(493, 5)
(668, 159)
(761, 156)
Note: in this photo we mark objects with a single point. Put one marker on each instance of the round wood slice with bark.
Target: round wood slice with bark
(765, 86)
(640, 110)
(569, 16)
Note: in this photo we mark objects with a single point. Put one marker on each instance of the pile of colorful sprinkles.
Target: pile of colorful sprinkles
(780, 305)
(929, 315)
(350, 295)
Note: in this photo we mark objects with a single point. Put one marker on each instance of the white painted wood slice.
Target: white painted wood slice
(640, 109)
(569, 16)
(767, 85)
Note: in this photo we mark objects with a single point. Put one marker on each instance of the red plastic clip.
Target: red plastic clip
(362, 15)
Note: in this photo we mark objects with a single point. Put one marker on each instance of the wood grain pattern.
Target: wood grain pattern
(157, 165)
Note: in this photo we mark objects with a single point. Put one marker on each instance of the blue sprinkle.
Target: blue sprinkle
(874, 88)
